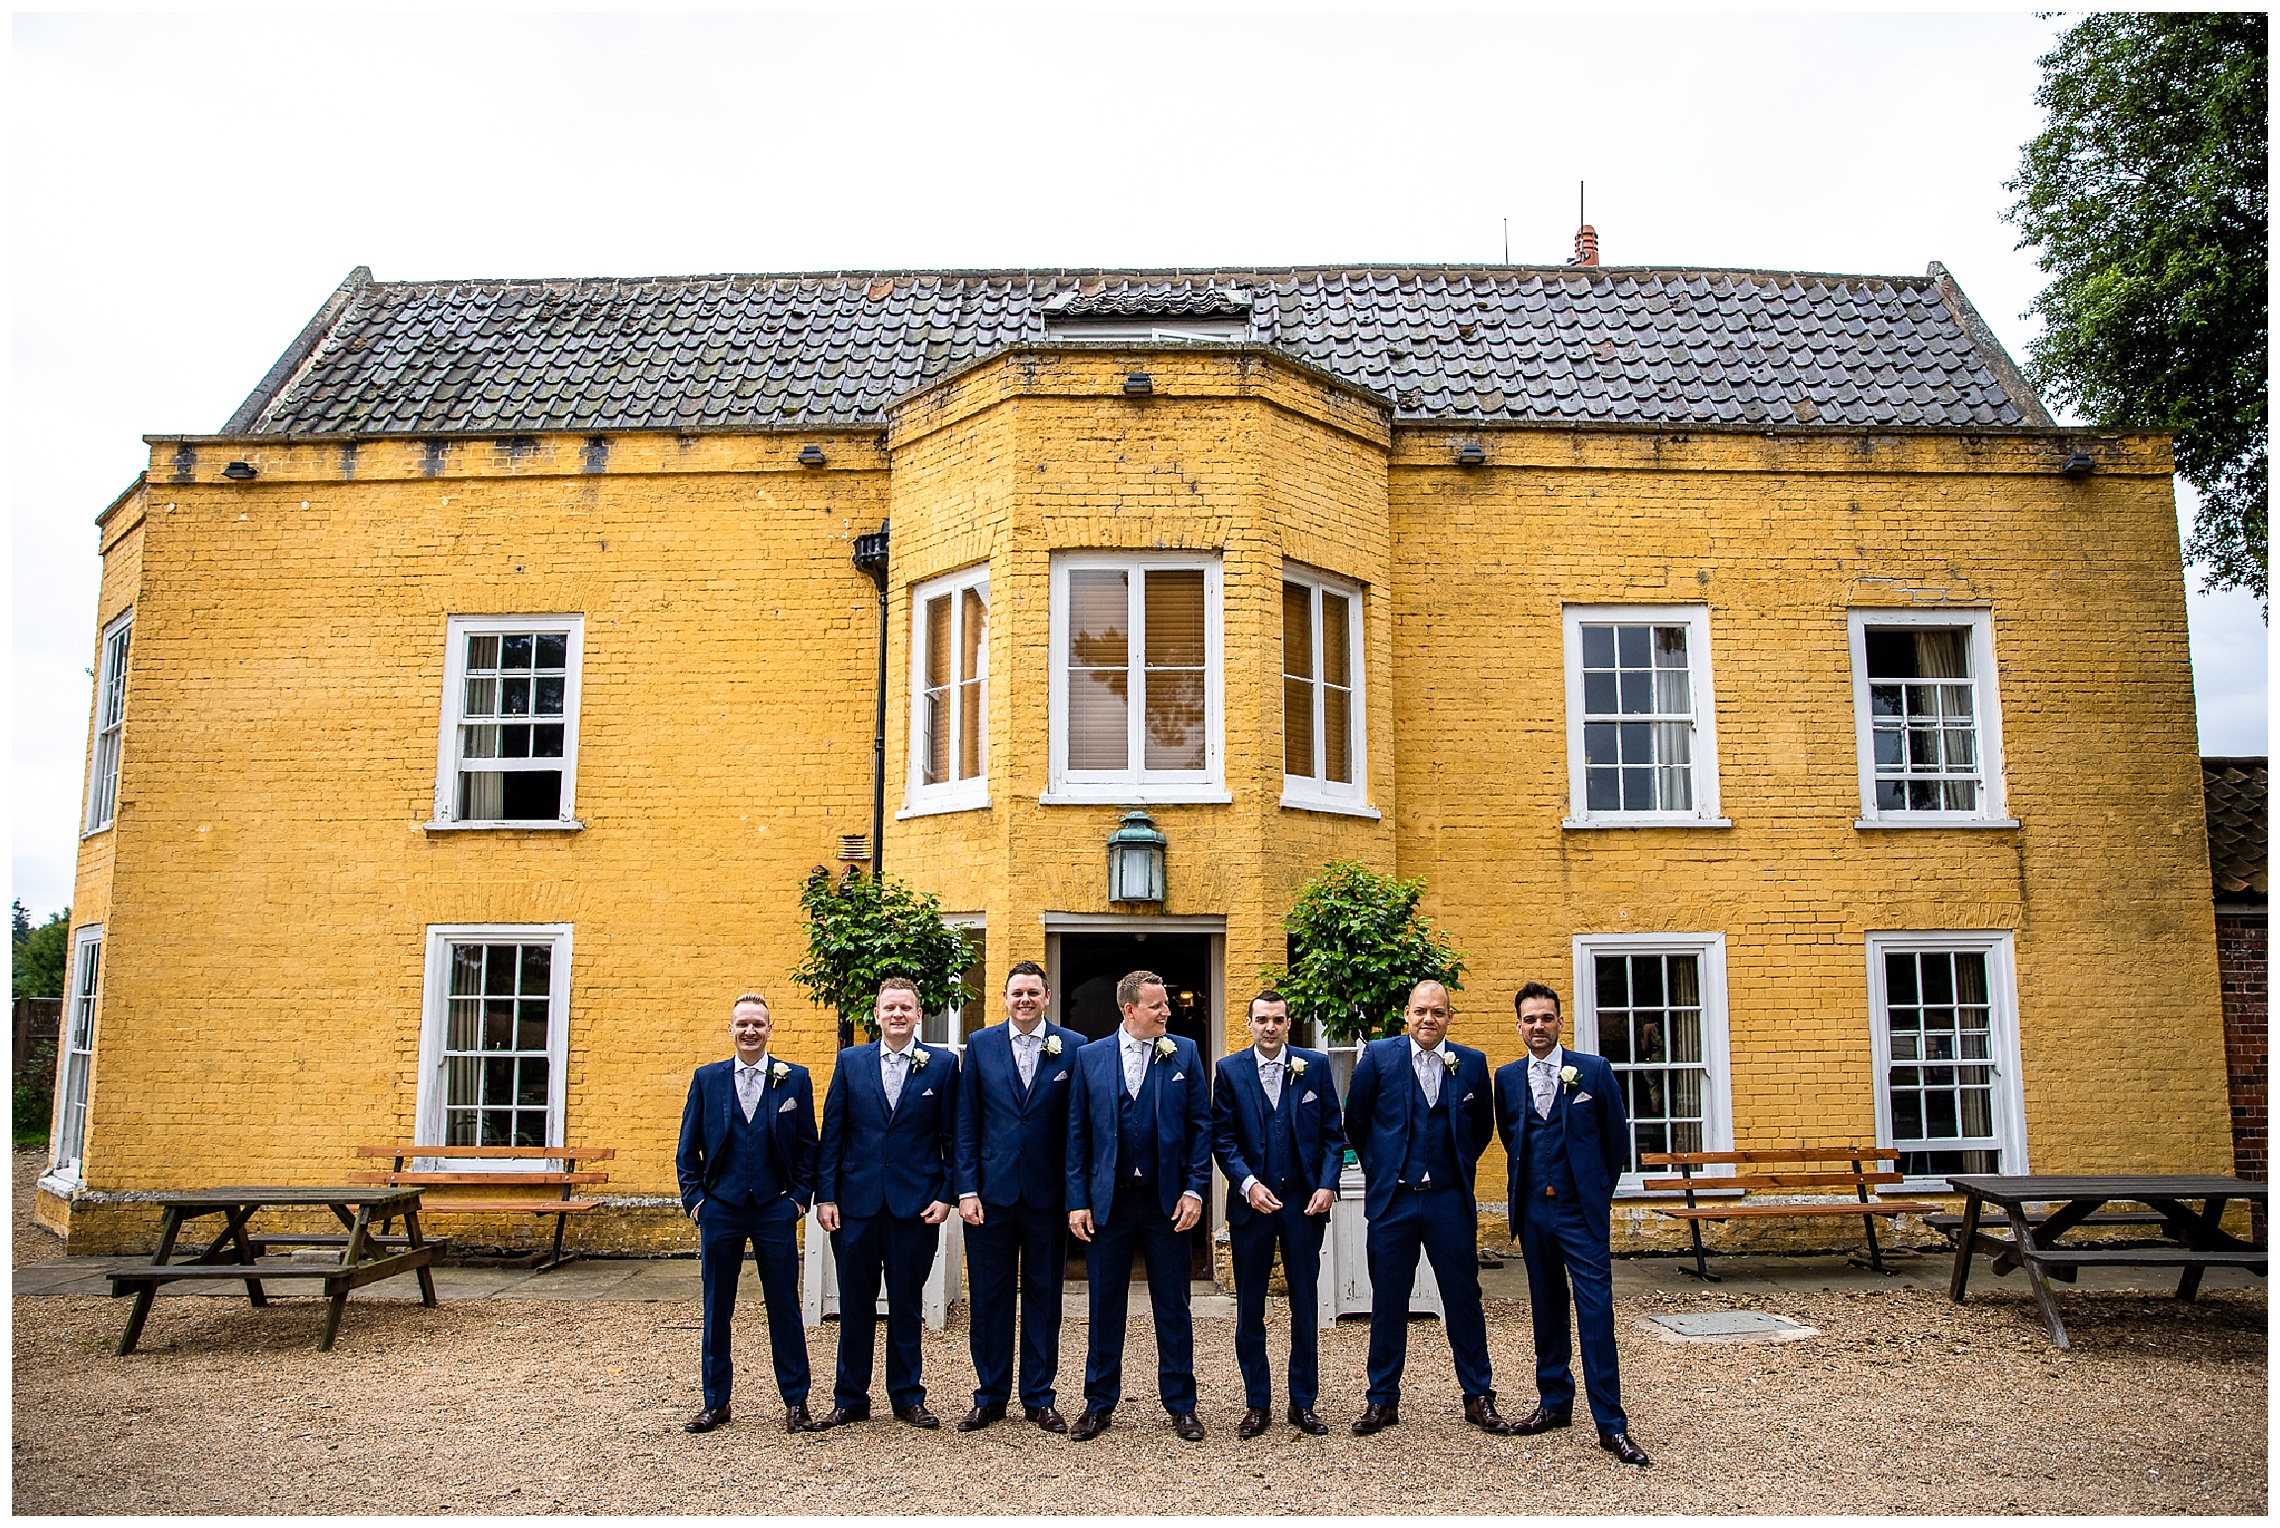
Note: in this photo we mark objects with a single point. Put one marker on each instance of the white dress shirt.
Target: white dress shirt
(894, 1069)
(1431, 1075)
(1028, 1049)
(1544, 1080)
(1136, 1053)
(751, 1081)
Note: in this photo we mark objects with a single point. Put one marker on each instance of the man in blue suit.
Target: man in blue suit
(1013, 1140)
(1139, 1165)
(1560, 1115)
(882, 1192)
(1419, 1115)
(1275, 1131)
(746, 1164)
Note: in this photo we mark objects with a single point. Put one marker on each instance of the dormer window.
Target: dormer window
(1210, 314)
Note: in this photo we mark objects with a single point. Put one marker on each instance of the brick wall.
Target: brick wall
(2241, 963)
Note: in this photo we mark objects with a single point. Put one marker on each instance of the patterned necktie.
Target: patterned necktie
(898, 1063)
(748, 1088)
(1135, 1065)
(1271, 1078)
(1544, 1080)
(1429, 1070)
(1025, 1048)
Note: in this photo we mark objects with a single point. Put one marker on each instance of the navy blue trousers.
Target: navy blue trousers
(1561, 1250)
(1137, 1222)
(723, 1232)
(1021, 1249)
(901, 1252)
(1442, 1227)
(1254, 1243)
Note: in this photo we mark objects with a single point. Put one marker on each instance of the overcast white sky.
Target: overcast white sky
(188, 190)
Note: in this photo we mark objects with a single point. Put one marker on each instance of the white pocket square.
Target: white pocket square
(788, 1106)
(929, 1093)
(1309, 1098)
(1583, 1098)
(1468, 1098)
(1061, 1076)
(1179, 1076)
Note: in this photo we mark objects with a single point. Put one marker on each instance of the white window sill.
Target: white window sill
(504, 827)
(57, 1184)
(938, 807)
(1589, 823)
(1966, 823)
(1136, 795)
(1303, 803)
(97, 832)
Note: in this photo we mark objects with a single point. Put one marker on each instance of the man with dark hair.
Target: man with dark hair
(1139, 1163)
(1560, 1116)
(1275, 1131)
(1012, 1181)
(746, 1165)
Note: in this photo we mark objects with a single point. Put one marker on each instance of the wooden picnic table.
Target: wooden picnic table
(366, 1255)
(2034, 1240)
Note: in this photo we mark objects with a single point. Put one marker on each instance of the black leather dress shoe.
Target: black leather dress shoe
(1254, 1423)
(1304, 1419)
(981, 1417)
(840, 1416)
(1543, 1419)
(1620, 1445)
(1046, 1417)
(1190, 1427)
(1374, 1418)
(1089, 1424)
(1480, 1410)
(797, 1420)
(916, 1415)
(706, 1420)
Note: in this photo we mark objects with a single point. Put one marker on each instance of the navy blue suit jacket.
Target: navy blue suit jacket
(1239, 1119)
(1587, 1122)
(1378, 1102)
(1013, 1145)
(1183, 1126)
(876, 1160)
(705, 1120)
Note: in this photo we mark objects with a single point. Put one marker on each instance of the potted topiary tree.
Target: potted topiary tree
(861, 931)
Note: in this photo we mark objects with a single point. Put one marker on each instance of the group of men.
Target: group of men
(1036, 1135)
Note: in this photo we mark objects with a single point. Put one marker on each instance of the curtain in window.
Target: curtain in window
(973, 675)
(1099, 656)
(1298, 680)
(1337, 690)
(1174, 646)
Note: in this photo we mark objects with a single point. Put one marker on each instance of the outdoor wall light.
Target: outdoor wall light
(1138, 384)
(1470, 454)
(2078, 465)
(240, 472)
(811, 456)
(1136, 860)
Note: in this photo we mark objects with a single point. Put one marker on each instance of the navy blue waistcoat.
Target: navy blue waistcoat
(1430, 1149)
(1136, 1127)
(1544, 1164)
(749, 1173)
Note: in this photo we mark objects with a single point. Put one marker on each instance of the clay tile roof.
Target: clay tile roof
(2236, 797)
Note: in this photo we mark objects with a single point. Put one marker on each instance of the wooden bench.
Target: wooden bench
(437, 1196)
(1865, 1168)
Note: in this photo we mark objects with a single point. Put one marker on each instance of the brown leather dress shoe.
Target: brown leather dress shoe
(1544, 1418)
(1480, 1410)
(797, 1420)
(981, 1417)
(1304, 1419)
(1190, 1427)
(1620, 1445)
(840, 1416)
(1089, 1425)
(916, 1415)
(1375, 1417)
(1254, 1423)
(706, 1420)
(1046, 1417)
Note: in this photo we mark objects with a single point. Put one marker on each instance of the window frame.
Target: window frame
(2009, 1103)
(77, 994)
(1136, 784)
(1702, 692)
(1317, 792)
(457, 629)
(954, 1017)
(954, 795)
(101, 806)
(1986, 697)
(435, 1012)
(1717, 1092)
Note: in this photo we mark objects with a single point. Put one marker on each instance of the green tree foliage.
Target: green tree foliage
(2145, 194)
(41, 953)
(1360, 946)
(862, 931)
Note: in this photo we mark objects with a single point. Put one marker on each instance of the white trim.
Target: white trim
(76, 991)
(1702, 697)
(1986, 696)
(2010, 1109)
(952, 795)
(1316, 792)
(1140, 923)
(100, 806)
(956, 1013)
(1135, 783)
(1717, 1093)
(540, 826)
(456, 631)
(435, 1010)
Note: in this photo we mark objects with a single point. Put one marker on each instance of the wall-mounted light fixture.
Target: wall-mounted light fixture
(1470, 454)
(240, 472)
(1136, 860)
(2078, 465)
(1138, 384)
(811, 456)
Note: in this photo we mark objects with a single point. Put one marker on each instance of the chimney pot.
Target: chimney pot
(1586, 246)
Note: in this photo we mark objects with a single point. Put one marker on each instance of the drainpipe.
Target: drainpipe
(871, 557)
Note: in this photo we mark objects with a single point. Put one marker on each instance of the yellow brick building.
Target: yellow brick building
(1745, 654)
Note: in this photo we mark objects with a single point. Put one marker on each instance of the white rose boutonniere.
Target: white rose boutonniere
(919, 1057)
(1567, 1078)
(1052, 1045)
(1298, 1066)
(1165, 1049)
(779, 1069)
(1449, 1060)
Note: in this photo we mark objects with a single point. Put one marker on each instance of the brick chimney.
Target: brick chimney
(1586, 246)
